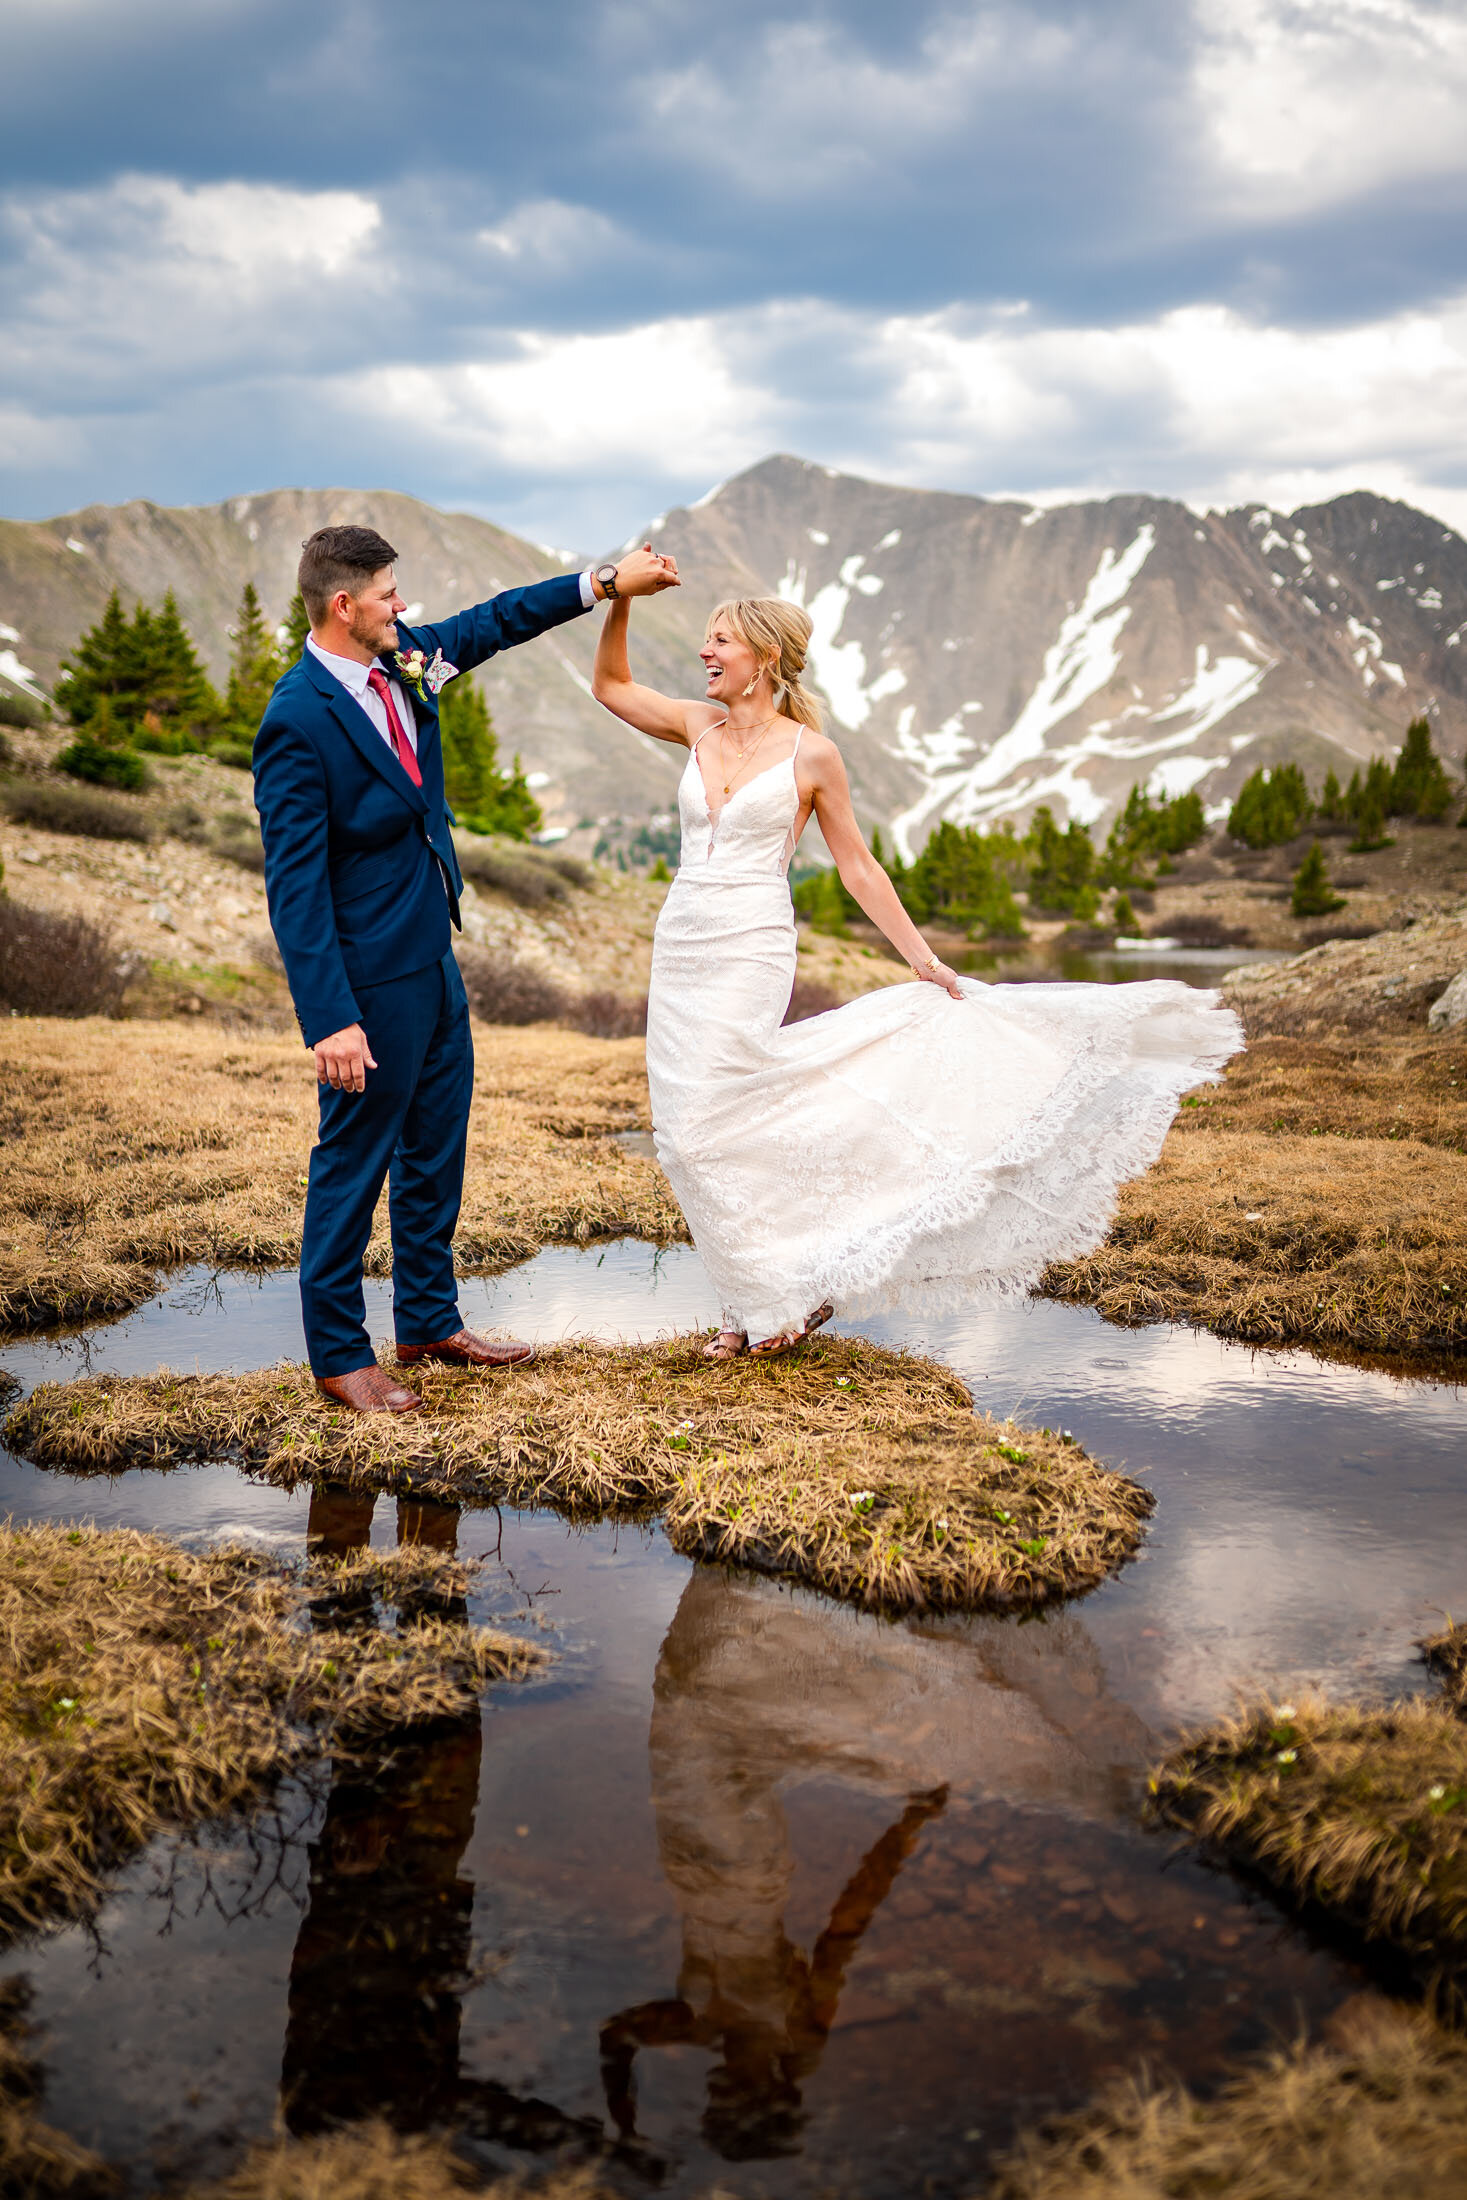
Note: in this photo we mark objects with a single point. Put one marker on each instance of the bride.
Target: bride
(924, 1144)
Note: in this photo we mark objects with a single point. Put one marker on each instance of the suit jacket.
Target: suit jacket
(357, 859)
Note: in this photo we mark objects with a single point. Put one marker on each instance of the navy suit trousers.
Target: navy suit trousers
(411, 1124)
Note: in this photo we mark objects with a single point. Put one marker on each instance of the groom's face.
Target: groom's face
(375, 609)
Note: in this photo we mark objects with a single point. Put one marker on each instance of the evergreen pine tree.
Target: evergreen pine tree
(1123, 916)
(1370, 829)
(486, 797)
(1419, 785)
(1062, 867)
(1331, 801)
(102, 666)
(178, 688)
(297, 627)
(1270, 807)
(1313, 895)
(254, 669)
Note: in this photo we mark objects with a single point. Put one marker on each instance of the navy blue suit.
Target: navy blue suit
(363, 887)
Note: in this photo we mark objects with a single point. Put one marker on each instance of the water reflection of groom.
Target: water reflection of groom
(383, 1950)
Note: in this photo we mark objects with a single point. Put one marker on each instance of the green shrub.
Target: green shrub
(1419, 785)
(53, 809)
(21, 710)
(1124, 917)
(102, 766)
(57, 966)
(238, 755)
(508, 867)
(1272, 806)
(1313, 894)
(237, 839)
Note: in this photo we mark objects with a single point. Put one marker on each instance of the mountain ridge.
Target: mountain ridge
(978, 655)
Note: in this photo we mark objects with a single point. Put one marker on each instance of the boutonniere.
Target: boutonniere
(411, 666)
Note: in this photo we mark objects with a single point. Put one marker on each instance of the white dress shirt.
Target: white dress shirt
(353, 677)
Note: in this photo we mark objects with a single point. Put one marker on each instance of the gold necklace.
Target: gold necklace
(743, 754)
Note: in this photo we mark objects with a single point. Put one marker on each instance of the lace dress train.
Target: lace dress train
(906, 1149)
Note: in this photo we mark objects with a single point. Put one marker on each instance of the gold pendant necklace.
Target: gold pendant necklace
(745, 754)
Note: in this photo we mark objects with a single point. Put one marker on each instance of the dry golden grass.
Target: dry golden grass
(1378, 1086)
(134, 1147)
(859, 1471)
(1361, 1811)
(143, 1685)
(1329, 1241)
(373, 2162)
(1381, 2117)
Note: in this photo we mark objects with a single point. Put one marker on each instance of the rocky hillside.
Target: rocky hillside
(978, 657)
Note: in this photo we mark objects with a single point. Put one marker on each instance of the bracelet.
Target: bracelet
(932, 965)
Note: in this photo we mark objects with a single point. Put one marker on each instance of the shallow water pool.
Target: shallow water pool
(753, 1889)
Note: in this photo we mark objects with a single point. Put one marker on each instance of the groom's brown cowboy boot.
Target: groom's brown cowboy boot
(465, 1349)
(369, 1390)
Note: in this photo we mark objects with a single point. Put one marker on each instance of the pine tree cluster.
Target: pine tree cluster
(137, 684)
(1274, 804)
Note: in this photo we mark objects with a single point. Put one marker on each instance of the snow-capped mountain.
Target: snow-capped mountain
(978, 657)
(997, 655)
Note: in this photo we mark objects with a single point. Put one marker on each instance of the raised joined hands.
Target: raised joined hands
(646, 572)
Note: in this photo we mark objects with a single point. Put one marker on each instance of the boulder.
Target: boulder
(1450, 1008)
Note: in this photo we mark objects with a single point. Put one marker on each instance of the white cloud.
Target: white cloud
(667, 400)
(148, 272)
(1314, 101)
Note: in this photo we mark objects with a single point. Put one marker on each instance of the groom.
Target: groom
(363, 885)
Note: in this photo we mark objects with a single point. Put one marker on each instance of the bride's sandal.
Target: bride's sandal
(772, 1347)
(729, 1344)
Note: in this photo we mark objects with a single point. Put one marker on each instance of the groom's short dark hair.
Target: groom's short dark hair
(339, 557)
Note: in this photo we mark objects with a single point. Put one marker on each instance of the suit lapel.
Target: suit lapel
(360, 731)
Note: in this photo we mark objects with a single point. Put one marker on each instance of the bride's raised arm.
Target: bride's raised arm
(861, 874)
(665, 717)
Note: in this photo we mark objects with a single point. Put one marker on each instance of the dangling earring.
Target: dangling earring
(752, 685)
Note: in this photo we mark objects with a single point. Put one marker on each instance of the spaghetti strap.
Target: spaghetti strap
(709, 728)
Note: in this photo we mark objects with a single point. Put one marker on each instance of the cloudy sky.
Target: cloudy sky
(570, 262)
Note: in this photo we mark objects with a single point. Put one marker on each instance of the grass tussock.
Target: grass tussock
(1358, 1811)
(860, 1472)
(142, 1685)
(1342, 1242)
(1381, 2116)
(135, 1148)
(373, 2162)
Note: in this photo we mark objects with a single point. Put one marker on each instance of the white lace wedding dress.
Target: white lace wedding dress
(906, 1149)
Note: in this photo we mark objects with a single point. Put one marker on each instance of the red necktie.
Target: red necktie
(402, 748)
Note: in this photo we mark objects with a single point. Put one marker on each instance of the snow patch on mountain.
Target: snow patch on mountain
(1216, 689)
(839, 666)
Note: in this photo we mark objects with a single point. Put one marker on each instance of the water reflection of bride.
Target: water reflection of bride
(757, 1690)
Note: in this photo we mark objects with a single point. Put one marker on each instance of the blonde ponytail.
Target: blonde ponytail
(779, 635)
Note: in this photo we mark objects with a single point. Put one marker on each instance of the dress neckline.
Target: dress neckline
(714, 815)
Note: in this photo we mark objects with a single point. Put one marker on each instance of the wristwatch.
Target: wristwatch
(606, 574)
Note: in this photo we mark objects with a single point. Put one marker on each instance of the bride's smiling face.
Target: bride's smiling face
(729, 663)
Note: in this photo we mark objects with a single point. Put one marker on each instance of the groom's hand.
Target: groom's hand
(644, 572)
(344, 1059)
